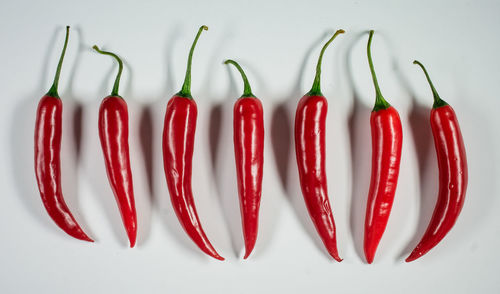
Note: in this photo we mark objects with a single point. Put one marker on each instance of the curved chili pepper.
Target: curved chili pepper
(113, 133)
(387, 140)
(452, 163)
(48, 133)
(310, 120)
(248, 127)
(178, 141)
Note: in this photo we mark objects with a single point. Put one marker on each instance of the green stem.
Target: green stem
(114, 92)
(247, 91)
(53, 90)
(380, 102)
(186, 87)
(438, 102)
(316, 89)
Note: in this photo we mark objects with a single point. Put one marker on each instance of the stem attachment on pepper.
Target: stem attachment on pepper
(114, 92)
(186, 87)
(53, 90)
(316, 89)
(380, 102)
(438, 102)
(247, 91)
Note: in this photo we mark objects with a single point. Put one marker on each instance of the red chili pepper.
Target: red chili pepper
(310, 151)
(48, 133)
(178, 141)
(387, 140)
(113, 133)
(452, 163)
(248, 127)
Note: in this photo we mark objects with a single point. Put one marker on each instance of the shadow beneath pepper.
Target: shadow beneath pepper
(146, 133)
(214, 129)
(360, 142)
(77, 106)
(77, 125)
(281, 137)
(146, 137)
(282, 134)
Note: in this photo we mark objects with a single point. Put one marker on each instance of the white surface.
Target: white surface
(458, 41)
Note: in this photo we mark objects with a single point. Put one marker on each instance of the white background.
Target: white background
(277, 43)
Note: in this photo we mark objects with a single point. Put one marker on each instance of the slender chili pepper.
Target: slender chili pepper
(310, 120)
(113, 133)
(48, 133)
(248, 128)
(387, 140)
(452, 164)
(178, 141)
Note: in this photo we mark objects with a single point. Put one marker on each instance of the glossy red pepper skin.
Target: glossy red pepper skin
(387, 141)
(113, 133)
(248, 126)
(453, 174)
(48, 133)
(178, 143)
(310, 120)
